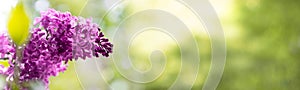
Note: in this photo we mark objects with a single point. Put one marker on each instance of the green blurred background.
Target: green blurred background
(262, 42)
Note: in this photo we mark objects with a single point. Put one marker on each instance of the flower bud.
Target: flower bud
(18, 24)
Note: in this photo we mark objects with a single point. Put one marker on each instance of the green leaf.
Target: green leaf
(4, 63)
(18, 24)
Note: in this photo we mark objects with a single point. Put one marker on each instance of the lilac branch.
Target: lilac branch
(17, 62)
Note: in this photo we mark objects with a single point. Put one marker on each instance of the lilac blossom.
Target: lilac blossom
(56, 39)
(6, 47)
(7, 52)
(89, 40)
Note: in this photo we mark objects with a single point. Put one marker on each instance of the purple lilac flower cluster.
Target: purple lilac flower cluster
(7, 52)
(56, 39)
(6, 47)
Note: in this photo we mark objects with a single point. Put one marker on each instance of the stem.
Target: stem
(16, 74)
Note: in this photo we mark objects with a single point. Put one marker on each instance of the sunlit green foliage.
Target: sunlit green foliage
(266, 55)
